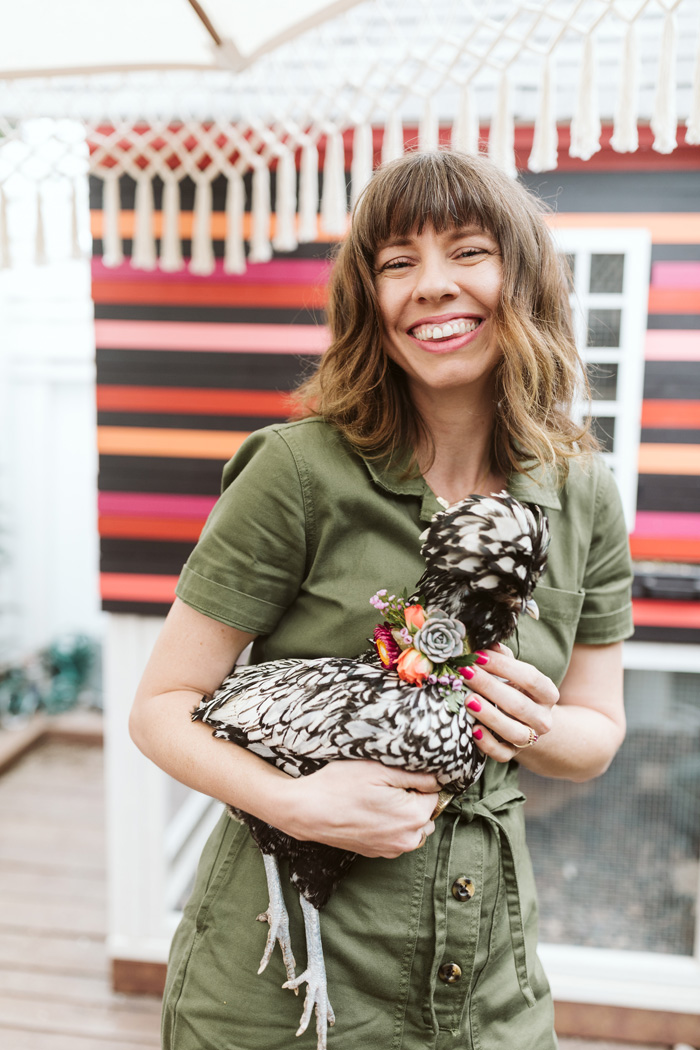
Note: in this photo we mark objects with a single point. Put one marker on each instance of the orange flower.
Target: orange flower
(413, 667)
(415, 616)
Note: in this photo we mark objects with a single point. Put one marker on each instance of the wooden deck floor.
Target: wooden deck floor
(54, 974)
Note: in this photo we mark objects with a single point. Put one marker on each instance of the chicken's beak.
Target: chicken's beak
(530, 607)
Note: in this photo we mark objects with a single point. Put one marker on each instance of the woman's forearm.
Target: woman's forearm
(580, 745)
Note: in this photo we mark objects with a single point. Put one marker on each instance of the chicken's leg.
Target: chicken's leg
(315, 977)
(276, 916)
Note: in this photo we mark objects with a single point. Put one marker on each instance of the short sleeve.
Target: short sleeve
(248, 565)
(606, 615)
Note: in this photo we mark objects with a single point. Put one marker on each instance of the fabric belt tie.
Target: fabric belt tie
(466, 809)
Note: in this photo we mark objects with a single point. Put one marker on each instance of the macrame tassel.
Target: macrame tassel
(334, 205)
(40, 236)
(143, 256)
(692, 135)
(5, 254)
(202, 260)
(392, 144)
(308, 193)
(585, 124)
(545, 140)
(260, 247)
(429, 128)
(362, 160)
(75, 249)
(625, 138)
(664, 119)
(502, 133)
(465, 130)
(285, 239)
(234, 249)
(170, 245)
(112, 252)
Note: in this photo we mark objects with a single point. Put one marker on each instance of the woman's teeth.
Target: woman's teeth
(444, 331)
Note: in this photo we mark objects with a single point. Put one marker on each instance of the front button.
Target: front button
(463, 889)
(450, 973)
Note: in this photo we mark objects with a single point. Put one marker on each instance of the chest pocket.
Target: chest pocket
(547, 642)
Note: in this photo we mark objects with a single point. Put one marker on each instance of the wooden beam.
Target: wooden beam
(593, 1021)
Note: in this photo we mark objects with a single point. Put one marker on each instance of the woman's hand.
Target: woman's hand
(364, 807)
(511, 710)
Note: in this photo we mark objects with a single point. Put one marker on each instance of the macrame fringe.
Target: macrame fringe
(664, 120)
(334, 204)
(465, 130)
(234, 247)
(308, 193)
(362, 160)
(202, 258)
(5, 253)
(692, 135)
(502, 133)
(625, 138)
(40, 235)
(260, 247)
(112, 250)
(170, 244)
(285, 239)
(144, 251)
(545, 140)
(392, 143)
(585, 124)
(429, 128)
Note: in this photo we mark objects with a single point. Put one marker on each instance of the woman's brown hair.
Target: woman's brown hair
(361, 392)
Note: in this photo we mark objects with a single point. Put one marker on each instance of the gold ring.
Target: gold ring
(423, 840)
(532, 737)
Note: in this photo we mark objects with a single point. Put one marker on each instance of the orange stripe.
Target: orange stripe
(662, 549)
(152, 441)
(650, 612)
(665, 227)
(137, 587)
(193, 400)
(674, 301)
(287, 295)
(671, 413)
(669, 459)
(123, 527)
(127, 225)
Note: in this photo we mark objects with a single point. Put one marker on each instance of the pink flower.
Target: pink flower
(413, 667)
(387, 649)
(415, 616)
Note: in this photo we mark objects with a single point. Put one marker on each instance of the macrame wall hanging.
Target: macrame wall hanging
(341, 97)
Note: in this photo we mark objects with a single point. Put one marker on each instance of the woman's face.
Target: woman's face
(437, 295)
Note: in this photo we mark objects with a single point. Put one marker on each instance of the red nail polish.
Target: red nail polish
(481, 658)
(466, 672)
(477, 734)
(474, 705)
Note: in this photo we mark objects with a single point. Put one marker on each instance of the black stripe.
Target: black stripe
(142, 608)
(667, 436)
(675, 252)
(190, 477)
(673, 321)
(185, 422)
(668, 492)
(203, 369)
(210, 314)
(671, 380)
(681, 635)
(313, 250)
(153, 557)
(613, 191)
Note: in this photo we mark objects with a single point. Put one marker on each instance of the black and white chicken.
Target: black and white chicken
(483, 558)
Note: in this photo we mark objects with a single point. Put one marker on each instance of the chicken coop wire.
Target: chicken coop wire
(62, 676)
(617, 859)
(449, 68)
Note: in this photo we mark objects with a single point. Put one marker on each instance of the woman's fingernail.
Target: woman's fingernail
(477, 734)
(474, 705)
(466, 672)
(481, 658)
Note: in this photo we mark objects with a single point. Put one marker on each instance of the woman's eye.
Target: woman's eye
(471, 253)
(395, 264)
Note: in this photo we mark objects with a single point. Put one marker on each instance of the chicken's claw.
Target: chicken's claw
(315, 977)
(278, 919)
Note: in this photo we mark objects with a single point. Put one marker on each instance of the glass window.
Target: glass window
(603, 381)
(604, 327)
(607, 272)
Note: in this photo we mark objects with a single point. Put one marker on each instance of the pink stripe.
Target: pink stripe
(147, 505)
(224, 338)
(667, 525)
(277, 271)
(675, 275)
(676, 345)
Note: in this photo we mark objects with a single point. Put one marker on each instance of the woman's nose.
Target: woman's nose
(434, 281)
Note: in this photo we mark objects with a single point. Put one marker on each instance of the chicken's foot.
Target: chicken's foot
(276, 915)
(315, 977)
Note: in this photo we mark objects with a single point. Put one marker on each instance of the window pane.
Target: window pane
(603, 381)
(604, 327)
(607, 273)
(604, 429)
